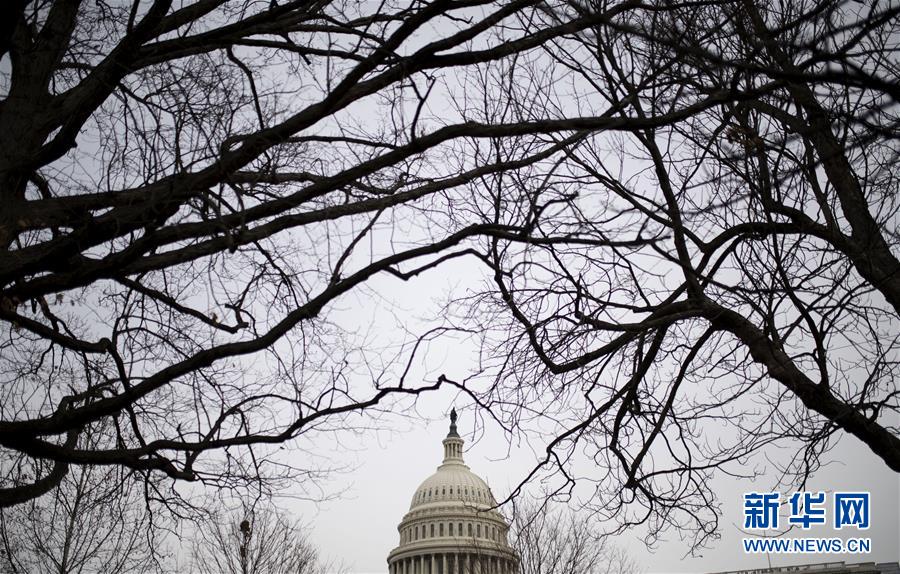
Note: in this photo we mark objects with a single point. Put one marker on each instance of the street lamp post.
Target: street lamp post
(245, 540)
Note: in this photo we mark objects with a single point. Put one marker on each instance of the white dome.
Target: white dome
(452, 526)
(453, 481)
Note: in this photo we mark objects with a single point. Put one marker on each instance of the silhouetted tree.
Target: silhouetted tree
(263, 541)
(687, 212)
(757, 303)
(551, 540)
(96, 520)
(188, 188)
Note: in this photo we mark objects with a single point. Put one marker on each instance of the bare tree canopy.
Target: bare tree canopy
(757, 305)
(687, 214)
(263, 541)
(186, 186)
(96, 520)
(551, 540)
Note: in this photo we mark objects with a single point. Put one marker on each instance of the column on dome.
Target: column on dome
(431, 568)
(444, 563)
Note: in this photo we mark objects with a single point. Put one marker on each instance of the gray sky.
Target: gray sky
(359, 526)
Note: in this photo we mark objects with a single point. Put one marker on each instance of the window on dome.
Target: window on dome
(460, 529)
(441, 529)
(470, 529)
(451, 529)
(432, 530)
(444, 491)
(417, 533)
(451, 491)
(478, 529)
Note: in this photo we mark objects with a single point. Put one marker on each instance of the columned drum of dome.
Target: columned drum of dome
(450, 527)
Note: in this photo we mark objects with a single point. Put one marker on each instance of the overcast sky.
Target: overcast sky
(359, 527)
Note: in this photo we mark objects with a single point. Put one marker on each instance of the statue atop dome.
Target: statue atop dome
(453, 432)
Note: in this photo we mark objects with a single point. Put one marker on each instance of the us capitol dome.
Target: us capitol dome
(451, 526)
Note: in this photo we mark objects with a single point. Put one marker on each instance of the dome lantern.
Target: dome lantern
(453, 444)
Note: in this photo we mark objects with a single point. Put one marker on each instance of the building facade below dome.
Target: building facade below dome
(452, 526)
